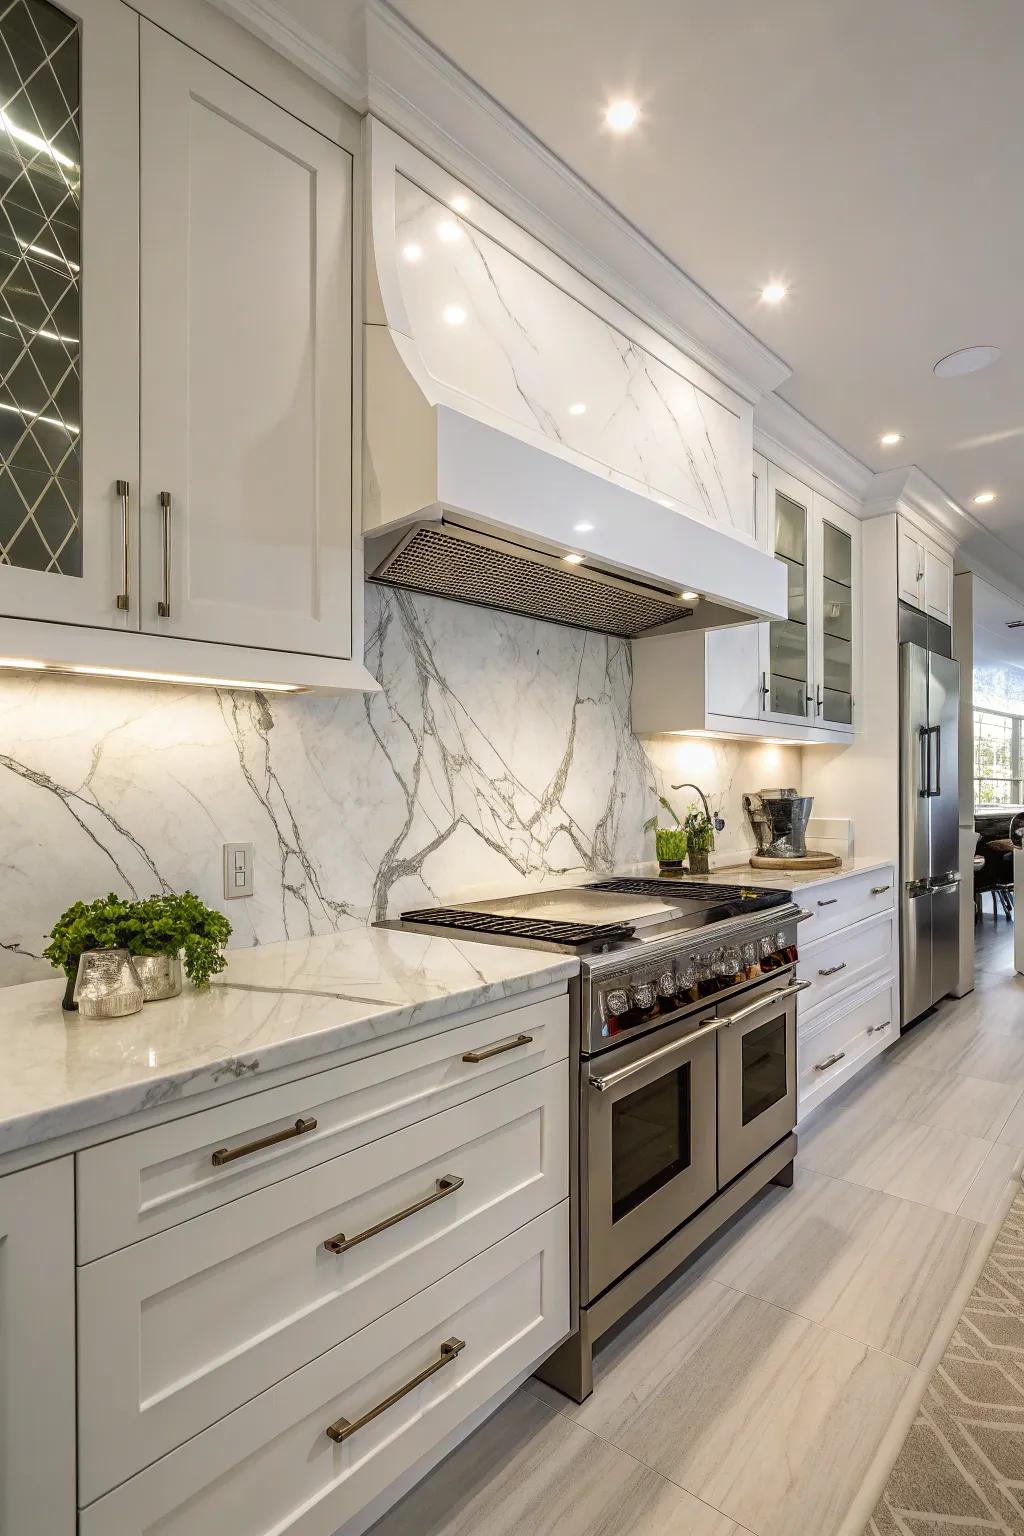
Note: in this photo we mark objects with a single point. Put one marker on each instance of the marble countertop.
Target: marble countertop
(273, 1007)
(783, 879)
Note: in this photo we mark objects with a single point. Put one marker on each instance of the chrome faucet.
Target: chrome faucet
(716, 821)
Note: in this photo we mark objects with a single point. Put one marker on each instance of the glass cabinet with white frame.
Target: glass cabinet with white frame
(834, 615)
(787, 649)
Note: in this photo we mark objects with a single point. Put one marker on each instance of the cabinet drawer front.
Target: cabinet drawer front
(271, 1466)
(838, 903)
(179, 1330)
(149, 1181)
(846, 960)
(829, 1055)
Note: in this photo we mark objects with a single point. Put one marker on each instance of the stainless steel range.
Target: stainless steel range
(683, 1071)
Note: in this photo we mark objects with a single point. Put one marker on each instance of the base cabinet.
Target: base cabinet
(310, 1454)
(37, 1351)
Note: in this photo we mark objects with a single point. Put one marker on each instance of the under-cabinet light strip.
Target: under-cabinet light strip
(130, 674)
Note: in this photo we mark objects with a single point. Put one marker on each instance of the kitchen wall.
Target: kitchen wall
(497, 755)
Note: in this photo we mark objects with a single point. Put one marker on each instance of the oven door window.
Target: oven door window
(650, 1139)
(763, 1068)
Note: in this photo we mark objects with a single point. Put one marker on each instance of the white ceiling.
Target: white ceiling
(865, 151)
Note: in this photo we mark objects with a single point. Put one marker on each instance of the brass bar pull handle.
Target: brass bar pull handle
(164, 608)
(876, 1029)
(445, 1186)
(341, 1429)
(225, 1155)
(880, 890)
(829, 901)
(764, 690)
(830, 1061)
(124, 596)
(831, 970)
(499, 1049)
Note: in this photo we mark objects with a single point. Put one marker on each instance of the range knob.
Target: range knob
(643, 995)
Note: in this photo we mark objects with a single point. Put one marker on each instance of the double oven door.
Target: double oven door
(669, 1119)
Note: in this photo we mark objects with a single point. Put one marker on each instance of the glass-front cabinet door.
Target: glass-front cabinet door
(69, 311)
(787, 652)
(835, 566)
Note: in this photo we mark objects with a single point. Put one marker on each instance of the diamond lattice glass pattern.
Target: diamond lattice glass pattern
(40, 289)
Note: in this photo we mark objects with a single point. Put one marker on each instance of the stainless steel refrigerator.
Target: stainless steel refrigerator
(929, 807)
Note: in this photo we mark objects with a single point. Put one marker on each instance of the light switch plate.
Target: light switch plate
(238, 870)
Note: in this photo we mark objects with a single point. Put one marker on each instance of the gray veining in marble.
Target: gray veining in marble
(498, 756)
(530, 350)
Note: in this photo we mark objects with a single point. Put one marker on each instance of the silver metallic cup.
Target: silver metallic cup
(107, 985)
(160, 976)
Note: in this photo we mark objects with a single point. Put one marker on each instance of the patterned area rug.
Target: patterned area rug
(961, 1469)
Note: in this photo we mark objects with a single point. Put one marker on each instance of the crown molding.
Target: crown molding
(794, 444)
(301, 47)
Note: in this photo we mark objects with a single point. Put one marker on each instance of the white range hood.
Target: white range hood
(515, 415)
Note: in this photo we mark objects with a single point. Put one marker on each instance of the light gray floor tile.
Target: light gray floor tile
(528, 1471)
(865, 1263)
(988, 1190)
(902, 1157)
(974, 1106)
(756, 1411)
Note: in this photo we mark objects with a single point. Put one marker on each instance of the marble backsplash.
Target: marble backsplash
(499, 754)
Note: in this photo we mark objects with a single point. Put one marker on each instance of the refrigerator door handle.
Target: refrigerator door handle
(936, 731)
(924, 742)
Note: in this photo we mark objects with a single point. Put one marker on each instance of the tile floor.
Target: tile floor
(752, 1394)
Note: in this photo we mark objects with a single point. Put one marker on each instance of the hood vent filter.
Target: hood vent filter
(450, 561)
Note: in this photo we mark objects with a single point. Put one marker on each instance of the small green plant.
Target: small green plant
(700, 832)
(158, 925)
(670, 843)
(96, 925)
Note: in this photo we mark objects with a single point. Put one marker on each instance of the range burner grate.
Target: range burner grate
(743, 898)
(540, 931)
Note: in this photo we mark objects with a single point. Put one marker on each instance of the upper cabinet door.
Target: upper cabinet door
(835, 613)
(938, 586)
(246, 503)
(909, 566)
(69, 279)
(786, 643)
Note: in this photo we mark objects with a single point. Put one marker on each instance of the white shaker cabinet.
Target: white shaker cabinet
(69, 322)
(924, 572)
(245, 509)
(37, 1351)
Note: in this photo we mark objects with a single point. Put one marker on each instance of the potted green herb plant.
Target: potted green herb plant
(700, 839)
(93, 925)
(669, 842)
(157, 932)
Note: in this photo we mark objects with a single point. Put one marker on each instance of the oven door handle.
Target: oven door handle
(612, 1079)
(763, 1002)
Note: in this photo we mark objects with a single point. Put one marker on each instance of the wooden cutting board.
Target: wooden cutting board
(809, 861)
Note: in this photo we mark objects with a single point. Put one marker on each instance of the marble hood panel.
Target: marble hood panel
(529, 444)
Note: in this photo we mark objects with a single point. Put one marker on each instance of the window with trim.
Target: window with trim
(998, 769)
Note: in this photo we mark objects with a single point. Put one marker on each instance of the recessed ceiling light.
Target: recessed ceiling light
(774, 293)
(448, 231)
(573, 559)
(983, 498)
(577, 408)
(412, 252)
(460, 204)
(690, 597)
(582, 527)
(890, 439)
(621, 116)
(453, 314)
(966, 360)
